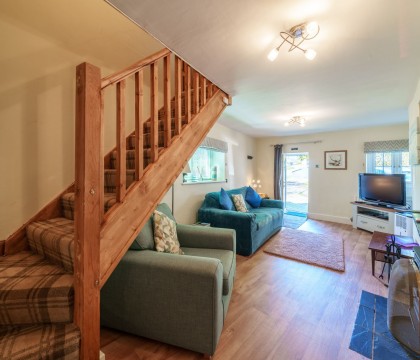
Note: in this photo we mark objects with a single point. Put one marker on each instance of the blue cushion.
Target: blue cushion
(225, 201)
(252, 197)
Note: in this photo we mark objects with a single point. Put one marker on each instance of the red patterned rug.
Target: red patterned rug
(316, 249)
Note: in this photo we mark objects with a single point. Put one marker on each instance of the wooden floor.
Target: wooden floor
(280, 309)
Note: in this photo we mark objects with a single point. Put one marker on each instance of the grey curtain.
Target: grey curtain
(278, 171)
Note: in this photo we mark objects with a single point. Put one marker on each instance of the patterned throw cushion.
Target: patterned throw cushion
(166, 238)
(252, 197)
(239, 202)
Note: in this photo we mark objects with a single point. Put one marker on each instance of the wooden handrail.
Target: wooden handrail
(132, 69)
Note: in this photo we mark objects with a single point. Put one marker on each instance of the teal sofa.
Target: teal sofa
(176, 299)
(253, 228)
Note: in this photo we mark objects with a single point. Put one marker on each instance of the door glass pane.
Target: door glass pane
(295, 182)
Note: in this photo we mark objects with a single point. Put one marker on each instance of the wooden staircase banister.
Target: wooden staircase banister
(132, 69)
(166, 141)
(128, 218)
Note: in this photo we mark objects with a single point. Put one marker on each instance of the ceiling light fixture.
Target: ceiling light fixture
(299, 120)
(295, 37)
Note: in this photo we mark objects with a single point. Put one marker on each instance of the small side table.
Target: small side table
(378, 249)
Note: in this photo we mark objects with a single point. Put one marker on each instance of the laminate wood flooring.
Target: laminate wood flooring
(280, 309)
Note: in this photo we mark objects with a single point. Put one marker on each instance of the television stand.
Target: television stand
(373, 218)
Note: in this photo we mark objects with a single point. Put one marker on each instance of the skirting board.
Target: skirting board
(332, 218)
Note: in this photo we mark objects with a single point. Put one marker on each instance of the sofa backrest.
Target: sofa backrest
(145, 239)
(211, 199)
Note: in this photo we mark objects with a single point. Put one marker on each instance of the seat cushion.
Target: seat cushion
(226, 257)
(267, 216)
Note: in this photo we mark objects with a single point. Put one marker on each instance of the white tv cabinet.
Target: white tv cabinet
(373, 218)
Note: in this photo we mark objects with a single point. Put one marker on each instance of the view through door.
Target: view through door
(295, 183)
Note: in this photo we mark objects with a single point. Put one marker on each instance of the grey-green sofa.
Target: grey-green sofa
(177, 299)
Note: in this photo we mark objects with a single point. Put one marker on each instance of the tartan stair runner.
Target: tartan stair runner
(58, 341)
(37, 298)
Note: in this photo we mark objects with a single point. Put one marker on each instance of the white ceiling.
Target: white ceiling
(365, 73)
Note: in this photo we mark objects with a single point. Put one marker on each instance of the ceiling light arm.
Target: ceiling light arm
(295, 37)
(286, 38)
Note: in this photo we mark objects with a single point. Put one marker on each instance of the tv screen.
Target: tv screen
(382, 189)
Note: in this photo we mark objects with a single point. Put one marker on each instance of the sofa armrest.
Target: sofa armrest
(155, 295)
(272, 203)
(206, 237)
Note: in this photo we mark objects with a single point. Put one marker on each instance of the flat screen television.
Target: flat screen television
(383, 189)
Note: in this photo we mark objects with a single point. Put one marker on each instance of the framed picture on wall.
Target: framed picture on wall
(335, 160)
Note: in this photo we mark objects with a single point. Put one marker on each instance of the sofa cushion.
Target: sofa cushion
(226, 257)
(224, 200)
(252, 197)
(266, 216)
(239, 202)
(144, 240)
(165, 236)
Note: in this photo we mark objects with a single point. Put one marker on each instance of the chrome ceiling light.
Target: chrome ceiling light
(295, 37)
(299, 120)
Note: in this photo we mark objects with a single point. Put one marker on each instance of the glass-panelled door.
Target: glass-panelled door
(295, 183)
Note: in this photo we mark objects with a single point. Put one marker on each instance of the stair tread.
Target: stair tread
(34, 291)
(67, 203)
(54, 341)
(53, 239)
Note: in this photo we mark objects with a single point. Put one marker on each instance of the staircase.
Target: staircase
(55, 265)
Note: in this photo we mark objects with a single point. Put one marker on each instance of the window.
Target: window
(208, 164)
(396, 162)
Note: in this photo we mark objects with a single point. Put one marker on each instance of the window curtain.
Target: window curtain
(386, 146)
(278, 171)
(215, 144)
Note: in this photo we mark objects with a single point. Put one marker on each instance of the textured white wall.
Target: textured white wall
(330, 191)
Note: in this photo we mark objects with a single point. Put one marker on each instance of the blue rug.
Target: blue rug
(371, 336)
(293, 221)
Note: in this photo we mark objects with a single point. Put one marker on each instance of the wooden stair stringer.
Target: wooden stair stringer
(125, 220)
(17, 242)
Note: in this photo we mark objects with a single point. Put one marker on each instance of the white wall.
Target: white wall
(330, 191)
(240, 171)
(413, 115)
(42, 43)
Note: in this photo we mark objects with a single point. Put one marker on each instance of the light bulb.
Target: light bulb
(312, 28)
(310, 54)
(272, 55)
(302, 124)
(286, 124)
(258, 181)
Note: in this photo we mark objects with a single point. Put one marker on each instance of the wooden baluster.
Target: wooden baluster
(121, 172)
(178, 95)
(210, 90)
(196, 97)
(203, 92)
(187, 93)
(167, 100)
(154, 126)
(101, 161)
(139, 92)
(88, 152)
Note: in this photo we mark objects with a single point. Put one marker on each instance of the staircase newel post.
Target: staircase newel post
(88, 213)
